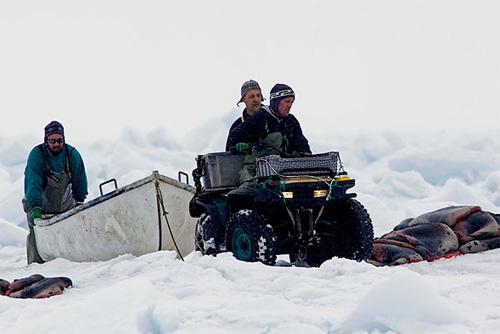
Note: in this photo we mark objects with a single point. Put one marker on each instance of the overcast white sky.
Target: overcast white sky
(101, 65)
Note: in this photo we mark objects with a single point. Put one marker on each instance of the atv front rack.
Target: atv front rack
(317, 164)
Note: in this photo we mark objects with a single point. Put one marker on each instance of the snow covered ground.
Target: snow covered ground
(428, 68)
(398, 175)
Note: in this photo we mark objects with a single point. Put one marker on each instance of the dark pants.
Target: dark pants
(31, 250)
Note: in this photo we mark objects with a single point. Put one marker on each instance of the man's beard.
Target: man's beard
(55, 153)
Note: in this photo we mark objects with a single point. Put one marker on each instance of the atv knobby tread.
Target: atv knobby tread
(258, 232)
(344, 230)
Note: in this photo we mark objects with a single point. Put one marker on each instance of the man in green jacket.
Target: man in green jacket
(54, 181)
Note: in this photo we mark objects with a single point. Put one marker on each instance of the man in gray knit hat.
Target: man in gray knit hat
(271, 131)
(251, 95)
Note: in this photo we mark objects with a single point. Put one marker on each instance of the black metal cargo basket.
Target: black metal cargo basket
(317, 164)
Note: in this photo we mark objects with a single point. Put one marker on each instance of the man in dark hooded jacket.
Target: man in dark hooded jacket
(54, 181)
(271, 131)
(251, 95)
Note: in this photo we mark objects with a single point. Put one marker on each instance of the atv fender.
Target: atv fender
(246, 197)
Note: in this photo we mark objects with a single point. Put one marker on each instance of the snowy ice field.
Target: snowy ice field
(398, 175)
(113, 71)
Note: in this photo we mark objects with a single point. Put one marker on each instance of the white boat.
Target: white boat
(128, 220)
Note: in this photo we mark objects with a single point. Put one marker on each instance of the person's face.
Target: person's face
(253, 100)
(55, 143)
(285, 106)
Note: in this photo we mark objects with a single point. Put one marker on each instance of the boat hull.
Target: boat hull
(128, 220)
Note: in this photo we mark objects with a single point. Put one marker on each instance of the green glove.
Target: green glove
(34, 214)
(243, 147)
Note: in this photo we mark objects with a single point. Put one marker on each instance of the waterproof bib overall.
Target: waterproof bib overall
(57, 195)
(272, 144)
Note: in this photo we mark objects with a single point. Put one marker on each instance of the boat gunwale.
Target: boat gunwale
(155, 175)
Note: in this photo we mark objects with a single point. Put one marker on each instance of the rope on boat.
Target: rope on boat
(159, 202)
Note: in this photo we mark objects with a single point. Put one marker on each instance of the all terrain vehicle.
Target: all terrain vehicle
(297, 206)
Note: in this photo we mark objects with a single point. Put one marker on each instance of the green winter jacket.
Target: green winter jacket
(36, 168)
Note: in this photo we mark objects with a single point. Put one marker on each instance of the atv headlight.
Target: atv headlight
(287, 194)
(320, 193)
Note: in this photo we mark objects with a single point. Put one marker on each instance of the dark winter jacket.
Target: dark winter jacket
(40, 161)
(257, 127)
(231, 139)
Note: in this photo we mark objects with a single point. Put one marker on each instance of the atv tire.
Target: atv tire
(207, 235)
(344, 230)
(250, 238)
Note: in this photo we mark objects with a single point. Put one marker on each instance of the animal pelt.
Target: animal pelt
(439, 234)
(34, 286)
